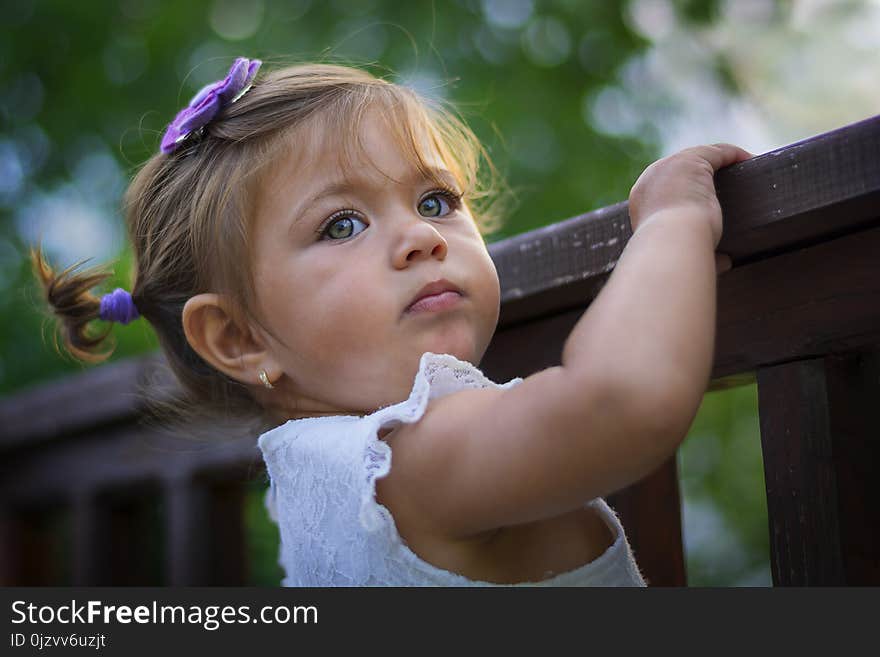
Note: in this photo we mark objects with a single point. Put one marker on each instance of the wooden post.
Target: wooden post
(820, 423)
(134, 535)
(38, 546)
(229, 558)
(10, 547)
(187, 518)
(89, 540)
(650, 511)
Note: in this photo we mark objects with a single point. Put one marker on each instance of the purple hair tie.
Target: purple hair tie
(209, 101)
(118, 307)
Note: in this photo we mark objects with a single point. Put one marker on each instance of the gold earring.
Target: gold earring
(265, 379)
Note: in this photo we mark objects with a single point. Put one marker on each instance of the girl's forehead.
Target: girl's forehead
(319, 149)
(320, 163)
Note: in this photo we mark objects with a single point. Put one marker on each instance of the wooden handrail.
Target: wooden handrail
(810, 191)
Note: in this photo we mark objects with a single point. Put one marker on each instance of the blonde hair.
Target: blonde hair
(188, 216)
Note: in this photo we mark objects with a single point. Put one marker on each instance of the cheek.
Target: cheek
(356, 296)
(488, 291)
(338, 310)
(486, 277)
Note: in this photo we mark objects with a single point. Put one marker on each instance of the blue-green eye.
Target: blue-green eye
(438, 204)
(341, 226)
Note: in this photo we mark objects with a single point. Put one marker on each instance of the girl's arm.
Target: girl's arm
(652, 328)
(633, 373)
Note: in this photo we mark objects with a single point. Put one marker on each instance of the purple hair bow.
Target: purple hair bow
(210, 100)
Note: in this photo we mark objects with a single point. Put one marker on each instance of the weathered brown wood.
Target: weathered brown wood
(523, 349)
(650, 511)
(11, 547)
(188, 532)
(811, 191)
(39, 545)
(228, 558)
(35, 566)
(205, 529)
(799, 475)
(853, 393)
(115, 458)
(95, 397)
(553, 268)
(90, 539)
(794, 305)
(819, 422)
(796, 195)
(133, 549)
(816, 300)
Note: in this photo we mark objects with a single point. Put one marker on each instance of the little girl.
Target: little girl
(309, 251)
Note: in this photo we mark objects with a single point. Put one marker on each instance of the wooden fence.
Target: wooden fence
(799, 314)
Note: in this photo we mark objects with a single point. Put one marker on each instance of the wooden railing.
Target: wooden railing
(799, 314)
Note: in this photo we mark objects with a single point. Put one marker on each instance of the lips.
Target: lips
(434, 295)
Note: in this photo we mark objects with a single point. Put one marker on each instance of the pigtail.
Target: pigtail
(74, 306)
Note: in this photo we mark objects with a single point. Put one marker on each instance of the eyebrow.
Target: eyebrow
(342, 187)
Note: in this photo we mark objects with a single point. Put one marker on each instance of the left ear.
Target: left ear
(234, 350)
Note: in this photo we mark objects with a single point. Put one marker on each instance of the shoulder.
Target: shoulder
(426, 454)
(415, 454)
(409, 431)
(297, 445)
(438, 376)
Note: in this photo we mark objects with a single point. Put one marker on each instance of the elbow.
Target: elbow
(670, 418)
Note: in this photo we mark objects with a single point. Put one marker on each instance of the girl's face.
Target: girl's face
(341, 252)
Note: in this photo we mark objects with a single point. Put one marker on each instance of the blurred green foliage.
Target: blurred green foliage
(721, 474)
(108, 76)
(88, 78)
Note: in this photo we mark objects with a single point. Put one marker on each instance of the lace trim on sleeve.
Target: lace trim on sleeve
(438, 375)
(377, 457)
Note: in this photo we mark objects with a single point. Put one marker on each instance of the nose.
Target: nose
(418, 240)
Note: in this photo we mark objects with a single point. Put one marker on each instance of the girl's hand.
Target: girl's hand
(684, 184)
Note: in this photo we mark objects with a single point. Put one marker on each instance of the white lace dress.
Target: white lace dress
(323, 473)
